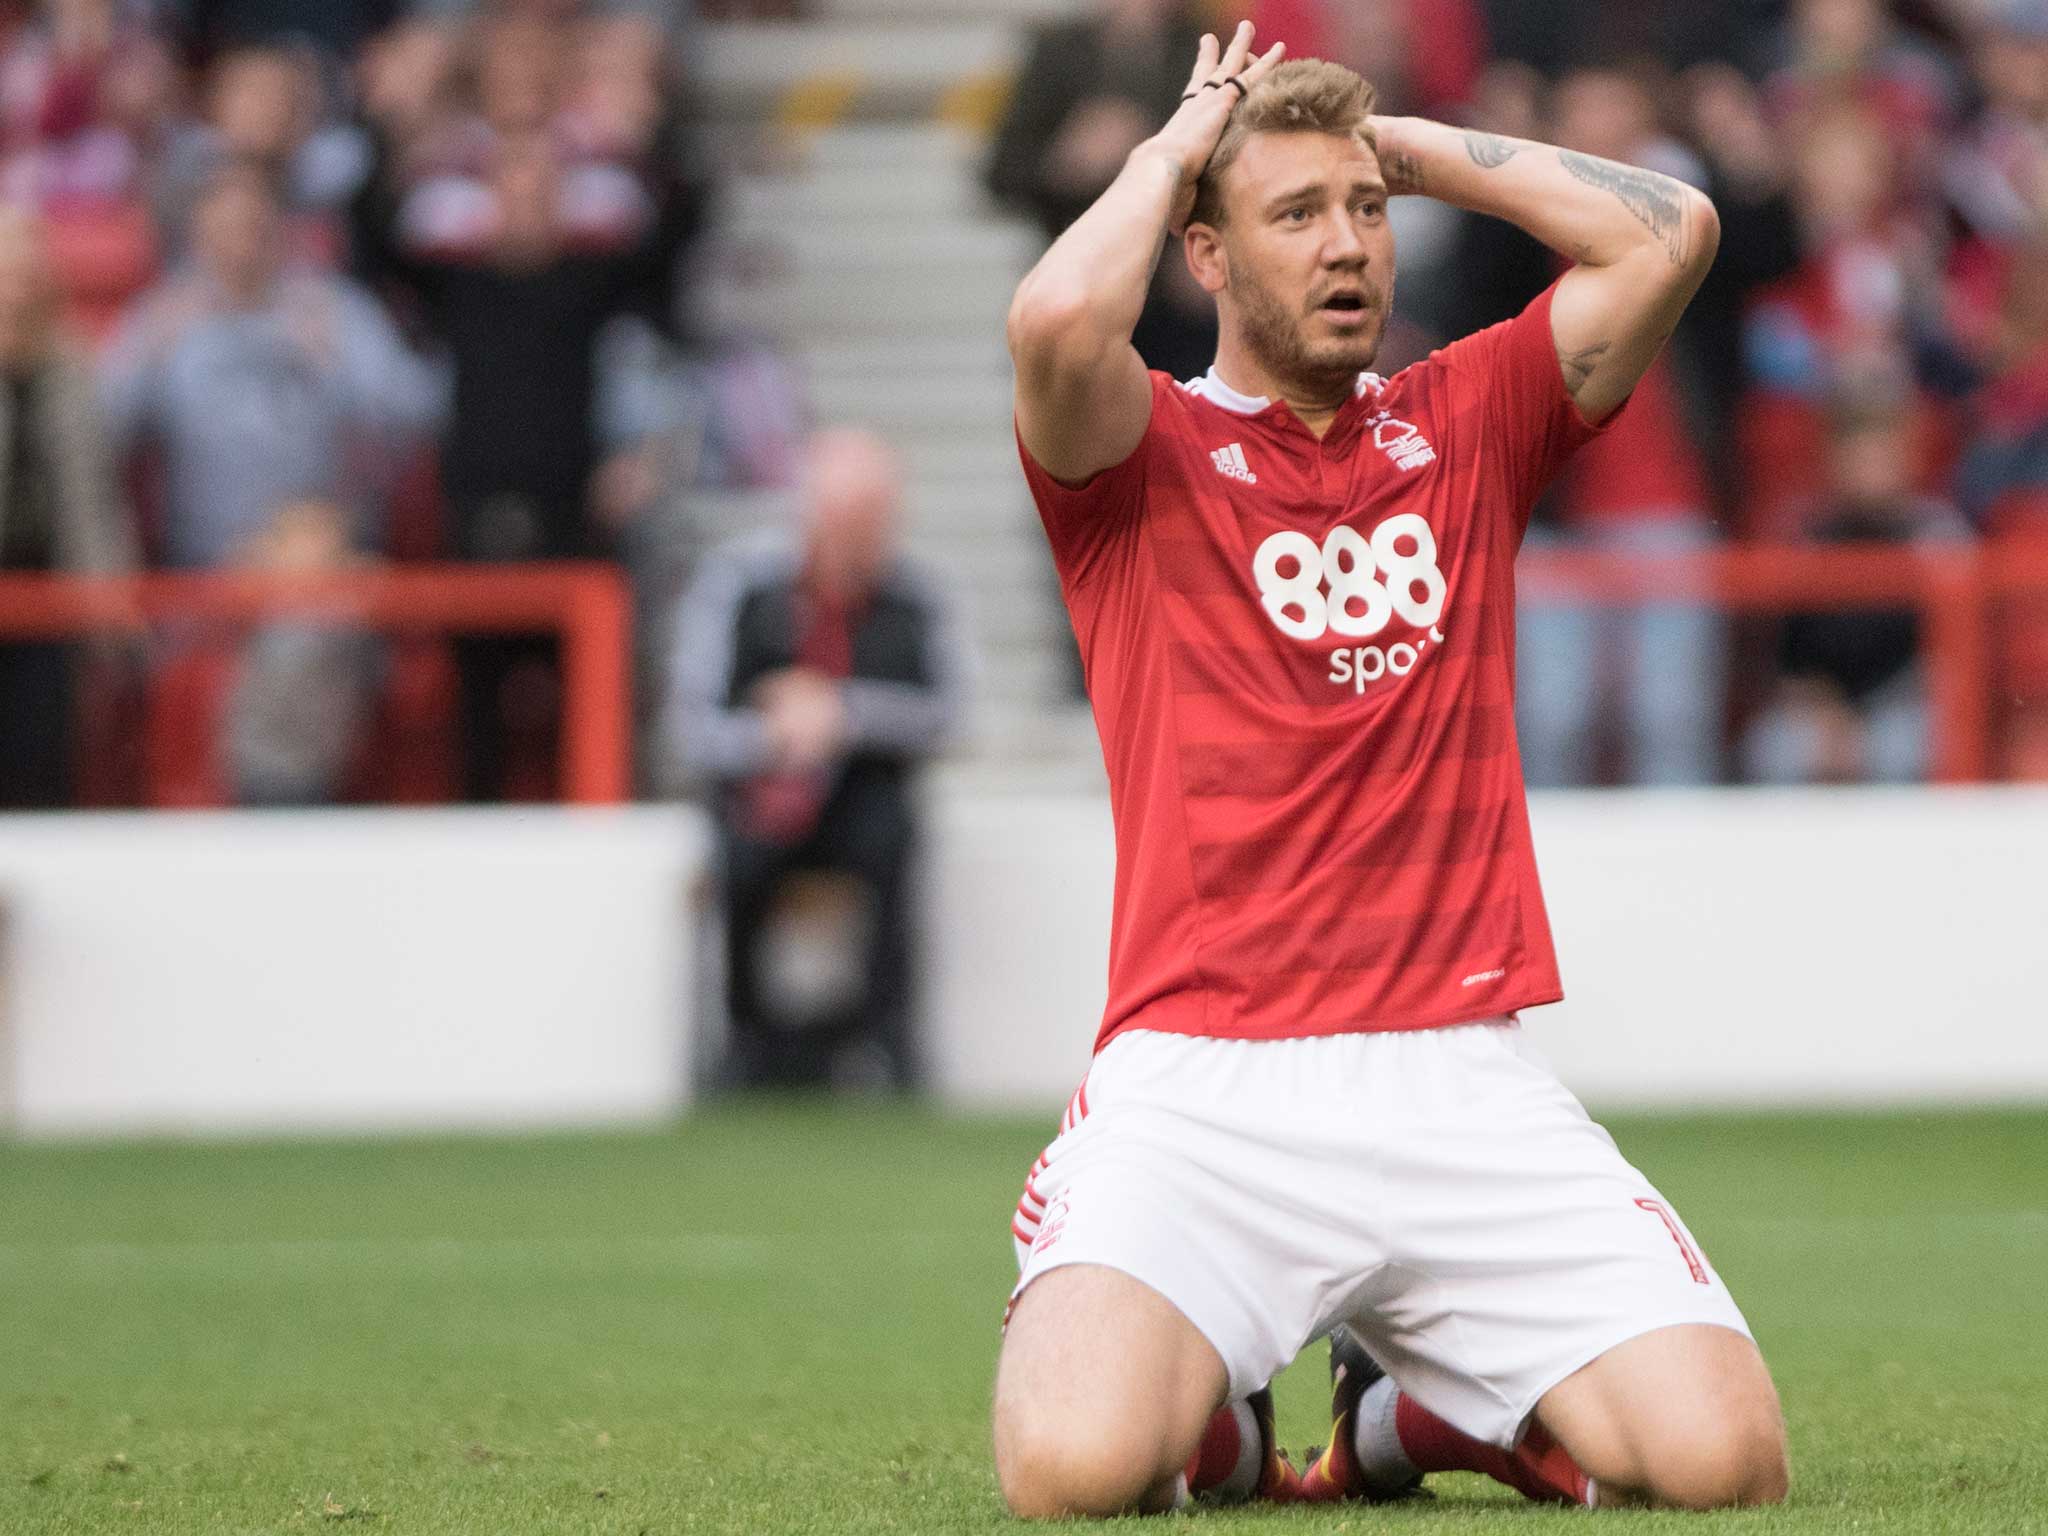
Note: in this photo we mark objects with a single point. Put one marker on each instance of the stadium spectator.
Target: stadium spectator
(1423, 56)
(1491, 269)
(1997, 172)
(85, 91)
(337, 28)
(1857, 53)
(1641, 487)
(1744, 164)
(598, 92)
(264, 387)
(2002, 482)
(521, 314)
(405, 80)
(301, 692)
(261, 382)
(1998, 185)
(1557, 36)
(1851, 702)
(1865, 299)
(812, 676)
(1089, 91)
(268, 107)
(60, 509)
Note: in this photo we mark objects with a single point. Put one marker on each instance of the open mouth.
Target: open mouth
(1345, 303)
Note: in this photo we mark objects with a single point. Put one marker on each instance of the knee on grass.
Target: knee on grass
(1050, 1471)
(1743, 1465)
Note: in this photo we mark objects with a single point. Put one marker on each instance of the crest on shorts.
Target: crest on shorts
(1052, 1226)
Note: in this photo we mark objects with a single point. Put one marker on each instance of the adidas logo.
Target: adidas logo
(1230, 461)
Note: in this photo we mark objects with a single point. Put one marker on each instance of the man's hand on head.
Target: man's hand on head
(1400, 166)
(1222, 78)
(1084, 396)
(1639, 243)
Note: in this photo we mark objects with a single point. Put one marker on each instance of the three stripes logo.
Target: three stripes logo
(1230, 461)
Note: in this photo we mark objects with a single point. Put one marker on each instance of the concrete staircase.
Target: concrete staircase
(856, 235)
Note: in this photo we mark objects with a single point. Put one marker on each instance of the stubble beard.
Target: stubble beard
(1278, 339)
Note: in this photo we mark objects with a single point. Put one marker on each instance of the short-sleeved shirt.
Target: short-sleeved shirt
(1301, 658)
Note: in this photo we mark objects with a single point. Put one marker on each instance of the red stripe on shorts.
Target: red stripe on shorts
(1693, 1261)
(1031, 1206)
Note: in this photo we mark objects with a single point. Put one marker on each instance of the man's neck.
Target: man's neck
(1316, 403)
(236, 292)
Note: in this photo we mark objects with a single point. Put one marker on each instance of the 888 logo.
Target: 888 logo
(1353, 587)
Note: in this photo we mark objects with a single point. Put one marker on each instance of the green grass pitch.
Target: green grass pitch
(783, 1319)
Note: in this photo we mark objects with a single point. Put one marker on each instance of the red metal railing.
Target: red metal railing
(1957, 590)
(586, 604)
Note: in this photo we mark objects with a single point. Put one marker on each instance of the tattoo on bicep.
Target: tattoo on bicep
(1578, 366)
(1489, 151)
(1403, 171)
(1657, 202)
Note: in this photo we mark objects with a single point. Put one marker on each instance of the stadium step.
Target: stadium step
(1017, 12)
(799, 73)
(967, 402)
(854, 308)
(868, 251)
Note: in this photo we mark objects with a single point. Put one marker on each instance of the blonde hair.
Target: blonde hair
(1301, 96)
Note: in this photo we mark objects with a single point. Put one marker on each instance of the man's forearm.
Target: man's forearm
(1595, 212)
(1096, 275)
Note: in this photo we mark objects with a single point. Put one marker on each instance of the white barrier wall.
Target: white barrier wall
(1719, 947)
(344, 970)
(361, 970)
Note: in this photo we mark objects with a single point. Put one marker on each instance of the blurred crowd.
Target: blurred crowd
(1868, 362)
(309, 284)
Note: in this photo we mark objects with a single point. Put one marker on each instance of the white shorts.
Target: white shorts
(1440, 1190)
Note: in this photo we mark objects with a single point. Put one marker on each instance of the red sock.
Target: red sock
(1232, 1464)
(1538, 1467)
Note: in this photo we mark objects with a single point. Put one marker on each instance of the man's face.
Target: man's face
(854, 487)
(262, 103)
(1309, 255)
(236, 235)
(1604, 112)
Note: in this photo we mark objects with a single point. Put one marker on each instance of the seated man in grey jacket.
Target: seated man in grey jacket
(813, 673)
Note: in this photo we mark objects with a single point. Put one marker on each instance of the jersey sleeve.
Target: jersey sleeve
(1084, 523)
(1532, 425)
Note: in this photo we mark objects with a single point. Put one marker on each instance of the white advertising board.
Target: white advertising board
(279, 972)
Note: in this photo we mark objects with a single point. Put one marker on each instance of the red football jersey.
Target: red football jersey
(1301, 657)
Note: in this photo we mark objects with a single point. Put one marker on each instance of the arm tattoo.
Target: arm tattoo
(1403, 171)
(1489, 151)
(1578, 366)
(1656, 201)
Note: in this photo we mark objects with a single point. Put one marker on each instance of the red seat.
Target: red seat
(188, 699)
(407, 754)
(105, 254)
(410, 754)
(1781, 441)
(2021, 519)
